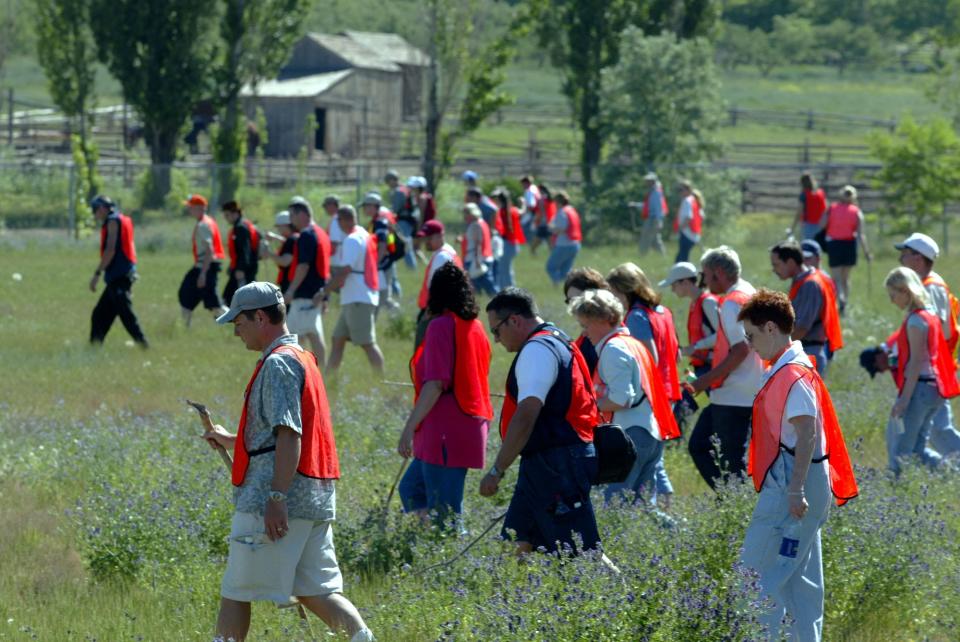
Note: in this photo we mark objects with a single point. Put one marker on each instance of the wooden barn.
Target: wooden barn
(362, 88)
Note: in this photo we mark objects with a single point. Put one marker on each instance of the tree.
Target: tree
(256, 39)
(844, 44)
(159, 51)
(921, 170)
(68, 56)
(584, 36)
(16, 37)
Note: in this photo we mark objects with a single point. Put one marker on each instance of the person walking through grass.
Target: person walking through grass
(688, 224)
(311, 272)
(653, 211)
(798, 459)
(243, 247)
(284, 470)
(118, 268)
(508, 227)
(703, 315)
(446, 432)
(200, 282)
(812, 210)
(567, 237)
(845, 229)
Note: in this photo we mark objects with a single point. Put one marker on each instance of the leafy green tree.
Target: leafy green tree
(844, 44)
(16, 33)
(256, 37)
(160, 53)
(921, 170)
(584, 39)
(67, 55)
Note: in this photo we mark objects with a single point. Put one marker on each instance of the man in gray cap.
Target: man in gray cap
(652, 212)
(330, 205)
(287, 236)
(703, 317)
(284, 467)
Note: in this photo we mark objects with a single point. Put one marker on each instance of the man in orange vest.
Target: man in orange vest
(200, 282)
(243, 245)
(817, 324)
(919, 252)
(548, 420)
(357, 280)
(284, 469)
(798, 459)
(653, 212)
(118, 266)
(734, 376)
(306, 297)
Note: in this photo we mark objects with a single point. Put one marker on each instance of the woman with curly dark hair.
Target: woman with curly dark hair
(446, 432)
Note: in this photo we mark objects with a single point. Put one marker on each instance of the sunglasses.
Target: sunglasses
(495, 330)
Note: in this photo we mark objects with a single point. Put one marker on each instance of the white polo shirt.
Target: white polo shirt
(353, 252)
(741, 385)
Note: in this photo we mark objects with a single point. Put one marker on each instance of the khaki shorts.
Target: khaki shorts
(301, 563)
(304, 318)
(356, 324)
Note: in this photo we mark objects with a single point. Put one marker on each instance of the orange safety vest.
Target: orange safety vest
(829, 314)
(696, 318)
(814, 205)
(371, 276)
(696, 222)
(208, 221)
(656, 191)
(288, 271)
(486, 245)
(574, 230)
(514, 232)
(722, 347)
(425, 287)
(650, 381)
(322, 261)
(318, 450)
(842, 221)
(765, 446)
(665, 339)
(125, 245)
(471, 368)
(935, 279)
(941, 359)
(581, 414)
(232, 241)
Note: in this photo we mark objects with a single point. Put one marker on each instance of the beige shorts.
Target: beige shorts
(356, 323)
(304, 317)
(301, 563)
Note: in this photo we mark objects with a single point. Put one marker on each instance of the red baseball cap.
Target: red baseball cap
(195, 199)
(430, 228)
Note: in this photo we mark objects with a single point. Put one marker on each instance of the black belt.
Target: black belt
(793, 453)
(261, 451)
(813, 343)
(928, 379)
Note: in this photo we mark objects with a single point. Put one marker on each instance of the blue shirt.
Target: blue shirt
(638, 323)
(655, 201)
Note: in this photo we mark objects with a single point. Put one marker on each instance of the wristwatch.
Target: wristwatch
(277, 496)
(495, 472)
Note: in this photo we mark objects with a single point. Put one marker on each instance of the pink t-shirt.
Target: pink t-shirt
(446, 437)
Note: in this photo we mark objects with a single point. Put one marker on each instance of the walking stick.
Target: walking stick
(208, 424)
(496, 520)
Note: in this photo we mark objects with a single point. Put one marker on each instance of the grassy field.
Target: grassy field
(116, 513)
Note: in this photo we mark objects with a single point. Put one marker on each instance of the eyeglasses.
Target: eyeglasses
(495, 330)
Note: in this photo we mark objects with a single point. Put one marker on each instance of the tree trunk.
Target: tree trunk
(229, 156)
(434, 118)
(163, 150)
(592, 140)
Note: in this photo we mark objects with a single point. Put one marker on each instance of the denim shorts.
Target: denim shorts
(551, 501)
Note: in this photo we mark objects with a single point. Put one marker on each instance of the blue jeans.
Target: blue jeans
(406, 229)
(438, 489)
(484, 284)
(560, 261)
(810, 231)
(505, 276)
(818, 352)
(944, 438)
(907, 436)
(684, 247)
(641, 479)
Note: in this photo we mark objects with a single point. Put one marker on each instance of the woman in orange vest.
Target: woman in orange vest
(509, 228)
(798, 460)
(446, 432)
(689, 221)
(925, 372)
(812, 208)
(567, 236)
(845, 228)
(629, 390)
(476, 249)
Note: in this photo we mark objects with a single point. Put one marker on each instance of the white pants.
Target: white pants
(794, 584)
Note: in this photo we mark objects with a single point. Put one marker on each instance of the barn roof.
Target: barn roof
(390, 46)
(302, 87)
(355, 53)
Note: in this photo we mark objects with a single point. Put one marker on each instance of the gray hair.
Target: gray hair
(347, 210)
(722, 258)
(598, 304)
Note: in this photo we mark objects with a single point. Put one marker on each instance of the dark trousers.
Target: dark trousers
(233, 285)
(115, 301)
(731, 426)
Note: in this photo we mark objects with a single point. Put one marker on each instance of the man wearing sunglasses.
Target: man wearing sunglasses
(548, 419)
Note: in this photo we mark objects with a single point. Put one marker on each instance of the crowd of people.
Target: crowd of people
(758, 359)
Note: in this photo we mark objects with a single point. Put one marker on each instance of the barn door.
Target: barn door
(320, 135)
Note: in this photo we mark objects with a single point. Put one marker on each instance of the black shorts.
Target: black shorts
(191, 296)
(543, 232)
(842, 253)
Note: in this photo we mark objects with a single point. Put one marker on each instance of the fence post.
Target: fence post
(806, 151)
(10, 117)
(810, 119)
(734, 114)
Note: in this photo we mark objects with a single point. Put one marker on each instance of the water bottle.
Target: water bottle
(790, 543)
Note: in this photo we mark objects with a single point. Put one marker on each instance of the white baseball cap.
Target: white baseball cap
(679, 272)
(252, 296)
(651, 176)
(921, 244)
(282, 218)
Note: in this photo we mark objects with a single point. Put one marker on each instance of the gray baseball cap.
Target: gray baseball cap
(252, 296)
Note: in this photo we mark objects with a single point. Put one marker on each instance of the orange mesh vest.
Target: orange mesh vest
(935, 279)
(941, 360)
(318, 450)
(722, 347)
(768, 410)
(829, 314)
(842, 221)
(125, 245)
(813, 206)
(654, 193)
(232, 241)
(425, 287)
(696, 221)
(695, 321)
(208, 221)
(650, 380)
(471, 368)
(665, 339)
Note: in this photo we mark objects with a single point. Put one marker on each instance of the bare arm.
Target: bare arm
(298, 276)
(518, 432)
(862, 235)
(734, 358)
(918, 356)
(286, 459)
(339, 277)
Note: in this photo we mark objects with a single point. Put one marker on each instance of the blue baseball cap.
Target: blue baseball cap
(470, 175)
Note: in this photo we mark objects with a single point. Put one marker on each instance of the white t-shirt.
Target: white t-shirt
(622, 376)
(335, 232)
(741, 385)
(353, 252)
(940, 305)
(684, 216)
(536, 371)
(444, 255)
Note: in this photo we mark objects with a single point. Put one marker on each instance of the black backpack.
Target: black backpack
(616, 454)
